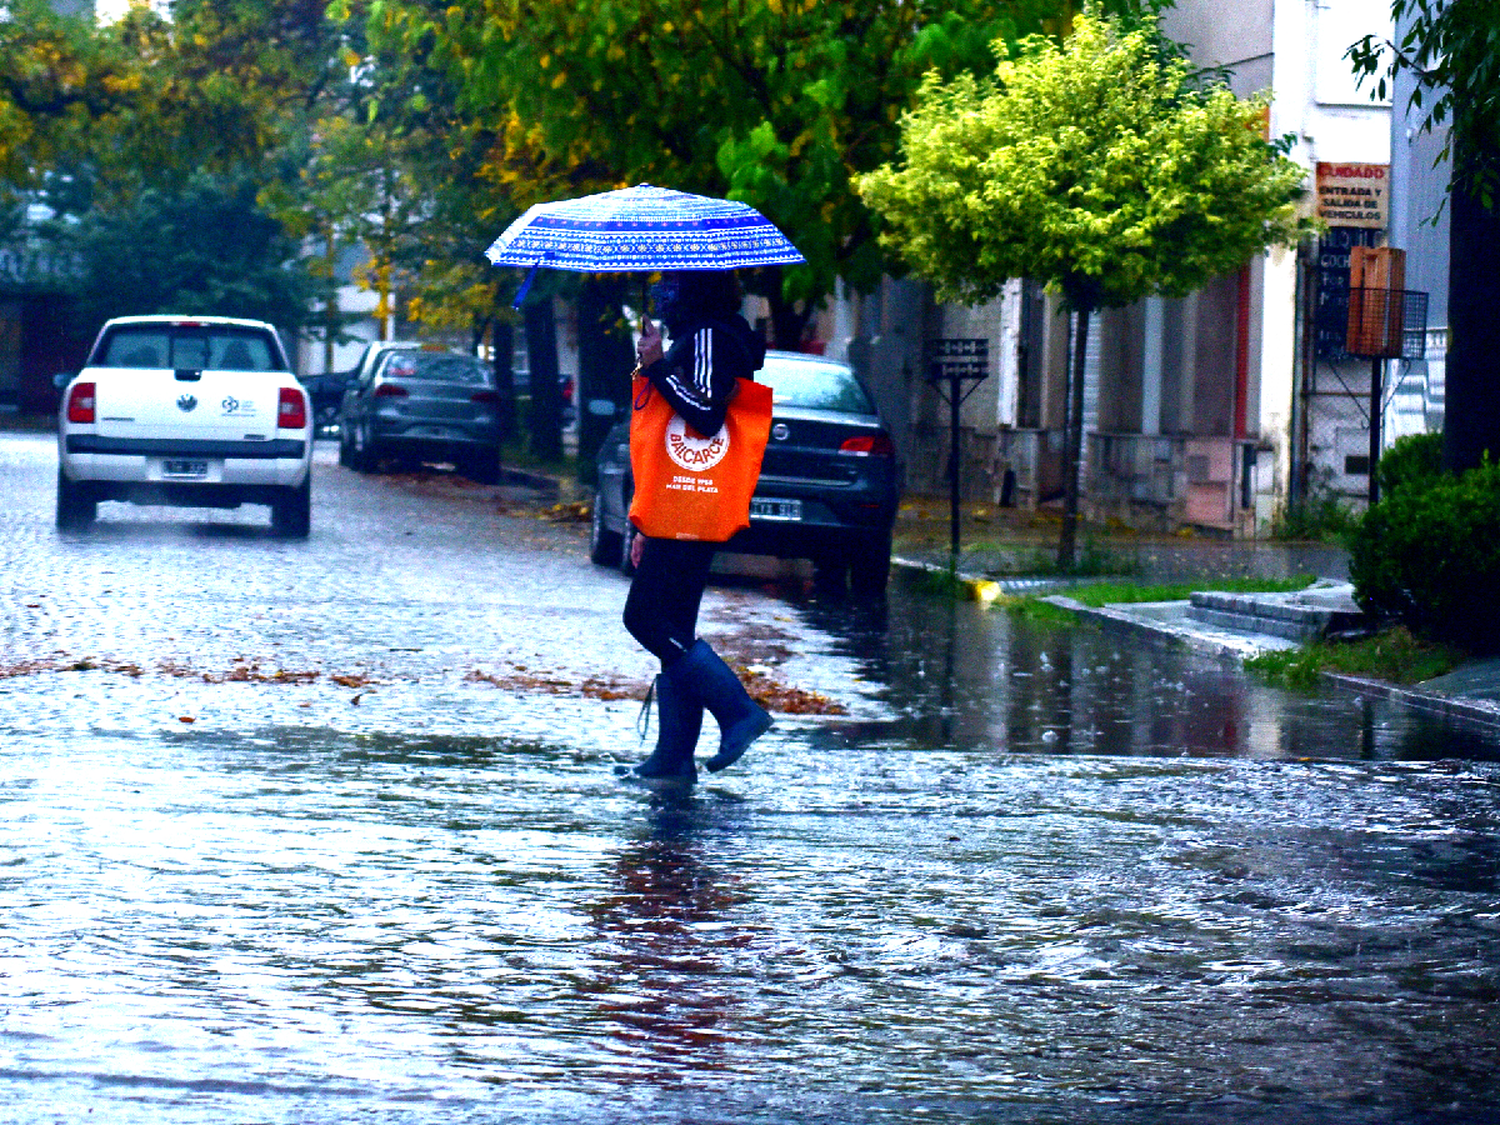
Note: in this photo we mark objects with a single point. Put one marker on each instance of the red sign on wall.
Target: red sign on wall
(1354, 195)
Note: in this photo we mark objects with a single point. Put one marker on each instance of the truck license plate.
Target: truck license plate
(184, 468)
(762, 509)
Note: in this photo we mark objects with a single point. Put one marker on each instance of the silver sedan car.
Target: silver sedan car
(415, 404)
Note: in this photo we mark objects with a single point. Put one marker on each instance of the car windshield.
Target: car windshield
(440, 367)
(814, 384)
(183, 348)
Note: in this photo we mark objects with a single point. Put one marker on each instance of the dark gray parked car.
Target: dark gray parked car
(829, 487)
(421, 405)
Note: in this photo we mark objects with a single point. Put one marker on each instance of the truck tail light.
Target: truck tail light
(81, 403)
(486, 398)
(291, 412)
(391, 390)
(869, 445)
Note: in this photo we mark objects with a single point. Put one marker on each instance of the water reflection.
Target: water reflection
(665, 935)
(959, 675)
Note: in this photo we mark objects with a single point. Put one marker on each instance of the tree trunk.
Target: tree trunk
(503, 335)
(787, 322)
(605, 359)
(1471, 419)
(1073, 470)
(545, 418)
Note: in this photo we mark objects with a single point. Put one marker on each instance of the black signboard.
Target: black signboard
(1331, 312)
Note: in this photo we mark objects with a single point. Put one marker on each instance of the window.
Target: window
(188, 348)
(441, 367)
(814, 385)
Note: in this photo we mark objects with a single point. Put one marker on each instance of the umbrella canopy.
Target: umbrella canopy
(642, 228)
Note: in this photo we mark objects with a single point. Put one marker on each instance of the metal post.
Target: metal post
(1376, 370)
(955, 362)
(953, 464)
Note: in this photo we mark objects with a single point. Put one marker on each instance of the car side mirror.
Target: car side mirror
(62, 379)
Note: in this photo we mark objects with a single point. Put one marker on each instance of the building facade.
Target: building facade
(1214, 411)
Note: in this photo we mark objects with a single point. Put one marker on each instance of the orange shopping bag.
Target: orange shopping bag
(690, 487)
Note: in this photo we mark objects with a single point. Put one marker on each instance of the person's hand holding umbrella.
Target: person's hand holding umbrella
(648, 348)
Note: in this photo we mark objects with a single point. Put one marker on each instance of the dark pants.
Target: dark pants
(661, 611)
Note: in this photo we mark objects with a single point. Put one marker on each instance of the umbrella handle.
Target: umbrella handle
(526, 285)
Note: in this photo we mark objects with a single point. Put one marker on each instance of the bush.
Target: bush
(1428, 555)
(1317, 518)
(1410, 460)
(1318, 515)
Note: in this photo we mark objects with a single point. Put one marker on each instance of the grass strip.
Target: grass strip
(1393, 655)
(1034, 607)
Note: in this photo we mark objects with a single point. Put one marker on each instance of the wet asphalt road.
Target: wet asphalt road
(327, 831)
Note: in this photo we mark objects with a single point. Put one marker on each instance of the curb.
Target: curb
(1222, 643)
(540, 482)
(1485, 714)
(976, 589)
(1215, 642)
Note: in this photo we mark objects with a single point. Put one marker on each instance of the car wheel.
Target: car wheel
(291, 513)
(830, 573)
(870, 569)
(627, 568)
(76, 508)
(483, 465)
(604, 545)
(365, 456)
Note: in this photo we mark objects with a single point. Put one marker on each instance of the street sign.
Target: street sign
(952, 362)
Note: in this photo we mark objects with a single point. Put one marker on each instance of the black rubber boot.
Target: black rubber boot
(741, 720)
(679, 718)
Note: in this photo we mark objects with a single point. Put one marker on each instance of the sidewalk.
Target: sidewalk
(997, 546)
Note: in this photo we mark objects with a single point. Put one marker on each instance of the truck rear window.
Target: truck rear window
(183, 348)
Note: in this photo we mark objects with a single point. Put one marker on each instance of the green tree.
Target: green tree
(1451, 48)
(1095, 166)
(778, 103)
(205, 247)
(150, 139)
(58, 76)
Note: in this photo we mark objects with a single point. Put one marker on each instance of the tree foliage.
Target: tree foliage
(57, 77)
(1094, 166)
(778, 103)
(1452, 49)
(204, 247)
(151, 139)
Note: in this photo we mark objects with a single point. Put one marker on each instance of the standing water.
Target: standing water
(1034, 875)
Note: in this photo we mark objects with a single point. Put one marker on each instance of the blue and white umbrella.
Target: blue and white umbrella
(642, 228)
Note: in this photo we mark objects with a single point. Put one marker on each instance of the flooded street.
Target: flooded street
(328, 832)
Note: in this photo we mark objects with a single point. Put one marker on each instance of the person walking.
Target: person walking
(711, 347)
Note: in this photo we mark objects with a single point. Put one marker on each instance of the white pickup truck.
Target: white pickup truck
(187, 411)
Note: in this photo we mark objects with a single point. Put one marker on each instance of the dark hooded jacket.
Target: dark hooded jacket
(697, 375)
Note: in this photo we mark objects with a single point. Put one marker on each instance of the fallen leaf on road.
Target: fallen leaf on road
(593, 687)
